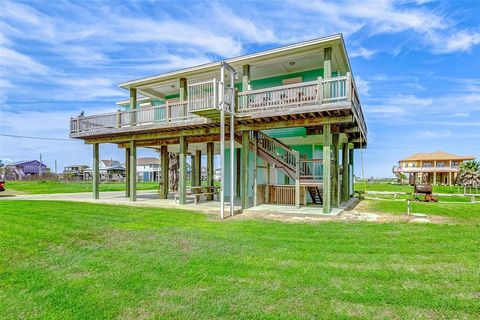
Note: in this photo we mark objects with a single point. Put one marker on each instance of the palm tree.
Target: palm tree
(469, 174)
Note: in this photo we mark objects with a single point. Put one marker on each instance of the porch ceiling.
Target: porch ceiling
(306, 55)
(259, 70)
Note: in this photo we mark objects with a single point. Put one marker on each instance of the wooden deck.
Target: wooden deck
(310, 104)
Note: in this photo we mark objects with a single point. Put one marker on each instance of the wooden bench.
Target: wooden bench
(196, 192)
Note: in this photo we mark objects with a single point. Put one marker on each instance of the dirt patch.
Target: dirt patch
(360, 213)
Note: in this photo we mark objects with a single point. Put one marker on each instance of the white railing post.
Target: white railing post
(320, 90)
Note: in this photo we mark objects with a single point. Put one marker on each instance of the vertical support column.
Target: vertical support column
(345, 173)
(198, 166)
(267, 191)
(183, 93)
(133, 105)
(133, 170)
(245, 77)
(327, 141)
(335, 202)
(182, 183)
(351, 161)
(96, 171)
(127, 172)
(245, 83)
(327, 62)
(244, 173)
(164, 184)
(255, 168)
(449, 178)
(210, 167)
(193, 171)
(238, 165)
(327, 71)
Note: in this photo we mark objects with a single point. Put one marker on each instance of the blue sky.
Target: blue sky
(416, 63)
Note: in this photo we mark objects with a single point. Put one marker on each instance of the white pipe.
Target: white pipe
(232, 143)
(222, 142)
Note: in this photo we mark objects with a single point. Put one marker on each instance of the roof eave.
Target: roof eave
(147, 80)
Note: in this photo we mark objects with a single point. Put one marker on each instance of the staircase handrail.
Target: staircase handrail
(291, 158)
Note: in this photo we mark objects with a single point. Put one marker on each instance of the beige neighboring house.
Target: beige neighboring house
(437, 168)
(148, 169)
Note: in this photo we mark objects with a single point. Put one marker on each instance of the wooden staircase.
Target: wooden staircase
(286, 160)
(315, 194)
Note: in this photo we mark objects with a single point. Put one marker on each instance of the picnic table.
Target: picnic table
(199, 191)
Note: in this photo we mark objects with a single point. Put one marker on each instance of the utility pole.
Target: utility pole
(55, 167)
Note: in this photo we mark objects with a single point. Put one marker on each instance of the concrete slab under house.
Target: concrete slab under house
(281, 126)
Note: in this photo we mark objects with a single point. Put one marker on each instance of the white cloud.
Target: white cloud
(461, 41)
(362, 52)
(13, 62)
(363, 86)
(432, 134)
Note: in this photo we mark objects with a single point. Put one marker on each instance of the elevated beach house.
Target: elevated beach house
(284, 122)
(437, 168)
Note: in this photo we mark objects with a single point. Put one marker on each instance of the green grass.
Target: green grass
(48, 187)
(456, 211)
(63, 260)
(440, 198)
(360, 186)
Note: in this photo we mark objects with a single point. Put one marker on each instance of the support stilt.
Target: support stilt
(127, 172)
(345, 173)
(133, 171)
(210, 167)
(244, 173)
(96, 171)
(164, 184)
(335, 139)
(327, 141)
(182, 185)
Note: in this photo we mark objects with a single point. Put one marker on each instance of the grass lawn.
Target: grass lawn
(360, 186)
(64, 260)
(47, 187)
(459, 212)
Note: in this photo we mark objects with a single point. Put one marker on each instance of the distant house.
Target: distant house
(148, 169)
(109, 170)
(434, 168)
(26, 169)
(75, 171)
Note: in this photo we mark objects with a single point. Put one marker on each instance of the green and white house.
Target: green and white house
(291, 115)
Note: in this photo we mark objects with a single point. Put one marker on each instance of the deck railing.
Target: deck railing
(167, 113)
(319, 91)
(203, 95)
(311, 170)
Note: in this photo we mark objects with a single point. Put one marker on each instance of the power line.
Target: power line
(37, 138)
